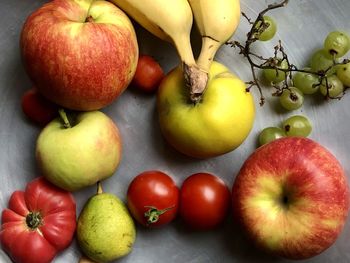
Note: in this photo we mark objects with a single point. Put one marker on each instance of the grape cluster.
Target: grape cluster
(296, 125)
(325, 73)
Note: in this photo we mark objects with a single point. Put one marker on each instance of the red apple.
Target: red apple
(292, 198)
(80, 54)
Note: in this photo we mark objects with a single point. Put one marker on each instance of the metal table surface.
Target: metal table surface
(302, 26)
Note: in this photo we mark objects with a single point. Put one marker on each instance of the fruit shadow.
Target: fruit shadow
(318, 100)
(15, 82)
(238, 248)
(164, 52)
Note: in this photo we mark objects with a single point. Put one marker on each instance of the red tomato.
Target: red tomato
(148, 74)
(38, 223)
(153, 198)
(37, 108)
(204, 201)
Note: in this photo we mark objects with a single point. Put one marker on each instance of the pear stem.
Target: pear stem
(64, 118)
(99, 188)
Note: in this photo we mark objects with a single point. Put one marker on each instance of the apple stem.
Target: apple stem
(64, 118)
(99, 188)
(90, 19)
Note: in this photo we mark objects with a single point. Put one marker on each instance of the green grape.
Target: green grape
(269, 134)
(275, 75)
(336, 87)
(320, 61)
(343, 73)
(267, 33)
(306, 82)
(292, 98)
(337, 44)
(297, 126)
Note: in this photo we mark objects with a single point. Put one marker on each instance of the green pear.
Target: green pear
(105, 229)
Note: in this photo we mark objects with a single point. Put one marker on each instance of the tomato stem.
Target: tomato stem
(152, 215)
(64, 118)
(34, 220)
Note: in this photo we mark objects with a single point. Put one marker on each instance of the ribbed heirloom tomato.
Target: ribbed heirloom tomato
(38, 223)
(204, 201)
(153, 198)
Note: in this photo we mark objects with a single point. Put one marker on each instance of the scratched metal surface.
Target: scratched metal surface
(302, 28)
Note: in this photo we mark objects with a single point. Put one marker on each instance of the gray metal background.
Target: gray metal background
(302, 26)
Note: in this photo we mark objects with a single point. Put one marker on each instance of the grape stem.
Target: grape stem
(257, 27)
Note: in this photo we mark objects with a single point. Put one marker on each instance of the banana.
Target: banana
(170, 20)
(216, 20)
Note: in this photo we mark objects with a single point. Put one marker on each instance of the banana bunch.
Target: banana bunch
(172, 20)
(216, 20)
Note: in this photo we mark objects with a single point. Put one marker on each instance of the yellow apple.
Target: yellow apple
(216, 124)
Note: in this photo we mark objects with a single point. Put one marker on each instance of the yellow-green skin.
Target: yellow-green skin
(105, 229)
(217, 124)
(74, 158)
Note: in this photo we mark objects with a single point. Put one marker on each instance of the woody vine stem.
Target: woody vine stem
(257, 61)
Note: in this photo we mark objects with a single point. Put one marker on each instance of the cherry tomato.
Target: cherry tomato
(148, 74)
(204, 201)
(37, 108)
(153, 198)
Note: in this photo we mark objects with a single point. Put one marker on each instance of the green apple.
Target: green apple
(78, 156)
(218, 123)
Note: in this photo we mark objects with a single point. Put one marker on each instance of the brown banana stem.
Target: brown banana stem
(196, 80)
